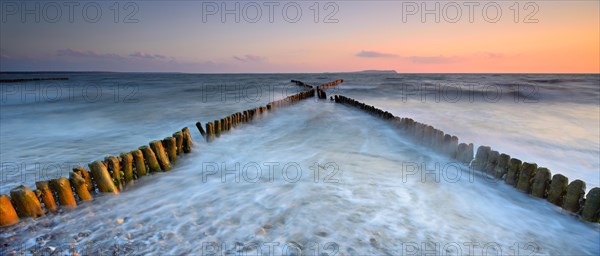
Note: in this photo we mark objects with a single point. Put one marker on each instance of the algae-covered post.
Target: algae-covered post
(80, 186)
(140, 164)
(127, 167)
(151, 160)
(102, 177)
(170, 145)
(161, 155)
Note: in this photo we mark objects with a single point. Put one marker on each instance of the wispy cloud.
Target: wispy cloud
(147, 56)
(69, 52)
(250, 58)
(374, 54)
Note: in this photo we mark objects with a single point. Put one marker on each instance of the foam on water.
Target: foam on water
(371, 205)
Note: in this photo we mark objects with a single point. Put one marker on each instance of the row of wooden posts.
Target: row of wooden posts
(116, 172)
(524, 176)
(110, 175)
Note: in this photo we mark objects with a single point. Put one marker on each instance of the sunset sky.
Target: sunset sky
(190, 36)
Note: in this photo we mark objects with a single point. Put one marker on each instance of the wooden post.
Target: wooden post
(63, 190)
(46, 195)
(481, 158)
(187, 140)
(217, 128)
(202, 132)
(161, 155)
(127, 167)
(574, 196)
(558, 189)
(102, 178)
(591, 208)
(80, 186)
(525, 176)
(492, 161)
(210, 129)
(140, 165)
(8, 215)
(541, 182)
(113, 164)
(26, 203)
(150, 157)
(514, 166)
(179, 139)
(170, 145)
(502, 166)
(86, 176)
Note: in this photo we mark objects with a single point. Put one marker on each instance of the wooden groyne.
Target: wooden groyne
(526, 177)
(114, 173)
(22, 80)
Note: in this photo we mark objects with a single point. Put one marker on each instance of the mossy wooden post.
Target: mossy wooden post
(161, 155)
(86, 176)
(179, 139)
(151, 160)
(526, 176)
(113, 164)
(210, 129)
(102, 178)
(63, 190)
(140, 164)
(170, 145)
(514, 166)
(8, 215)
(80, 186)
(46, 195)
(541, 182)
(217, 128)
(127, 167)
(187, 140)
(26, 202)
(502, 167)
(481, 158)
(557, 189)
(591, 208)
(200, 129)
(492, 162)
(574, 197)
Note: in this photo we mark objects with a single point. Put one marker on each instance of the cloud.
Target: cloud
(373, 54)
(87, 54)
(250, 58)
(147, 56)
(440, 59)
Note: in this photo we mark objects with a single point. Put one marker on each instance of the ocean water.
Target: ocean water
(316, 178)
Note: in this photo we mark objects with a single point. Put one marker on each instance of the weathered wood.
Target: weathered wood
(179, 139)
(514, 167)
(170, 145)
(26, 202)
(113, 164)
(151, 161)
(8, 215)
(86, 176)
(541, 183)
(200, 129)
(557, 189)
(574, 197)
(46, 195)
(526, 175)
(187, 140)
(127, 167)
(80, 186)
(102, 178)
(161, 154)
(591, 208)
(140, 164)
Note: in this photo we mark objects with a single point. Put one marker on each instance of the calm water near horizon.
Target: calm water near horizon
(336, 182)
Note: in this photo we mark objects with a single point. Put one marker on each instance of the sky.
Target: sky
(301, 36)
